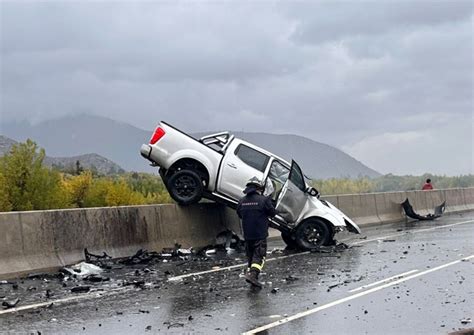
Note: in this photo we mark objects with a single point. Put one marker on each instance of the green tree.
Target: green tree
(5, 204)
(28, 184)
(78, 188)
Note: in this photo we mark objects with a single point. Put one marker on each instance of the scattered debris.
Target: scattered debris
(136, 283)
(95, 278)
(174, 324)
(148, 328)
(80, 289)
(290, 278)
(339, 247)
(408, 208)
(466, 321)
(91, 258)
(140, 257)
(10, 304)
(275, 290)
(184, 252)
(82, 270)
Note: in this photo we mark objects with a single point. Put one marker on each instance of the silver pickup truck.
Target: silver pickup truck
(218, 166)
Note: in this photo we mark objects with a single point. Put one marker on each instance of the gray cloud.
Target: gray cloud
(347, 74)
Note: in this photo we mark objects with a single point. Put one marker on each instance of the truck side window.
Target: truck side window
(252, 157)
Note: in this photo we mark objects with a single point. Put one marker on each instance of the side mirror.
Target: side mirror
(313, 192)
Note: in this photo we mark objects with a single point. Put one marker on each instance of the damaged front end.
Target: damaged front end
(338, 219)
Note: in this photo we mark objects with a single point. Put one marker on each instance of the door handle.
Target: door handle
(232, 165)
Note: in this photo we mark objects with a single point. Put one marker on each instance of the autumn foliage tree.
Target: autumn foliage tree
(27, 184)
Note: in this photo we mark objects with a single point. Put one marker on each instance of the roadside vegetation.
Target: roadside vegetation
(26, 184)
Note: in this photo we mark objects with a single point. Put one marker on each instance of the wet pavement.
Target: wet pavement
(410, 278)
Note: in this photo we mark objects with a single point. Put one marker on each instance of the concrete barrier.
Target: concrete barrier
(41, 240)
(455, 200)
(469, 198)
(362, 207)
(388, 206)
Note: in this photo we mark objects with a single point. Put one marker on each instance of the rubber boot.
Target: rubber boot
(252, 278)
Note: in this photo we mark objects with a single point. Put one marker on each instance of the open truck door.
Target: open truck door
(292, 198)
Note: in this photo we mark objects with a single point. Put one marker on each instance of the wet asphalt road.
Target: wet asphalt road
(433, 295)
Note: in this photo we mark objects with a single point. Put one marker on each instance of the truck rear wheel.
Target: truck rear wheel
(312, 234)
(185, 187)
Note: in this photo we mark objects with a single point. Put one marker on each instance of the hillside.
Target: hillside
(121, 142)
(87, 161)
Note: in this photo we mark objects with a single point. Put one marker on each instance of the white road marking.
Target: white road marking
(384, 280)
(178, 278)
(351, 297)
(91, 295)
(411, 232)
(193, 274)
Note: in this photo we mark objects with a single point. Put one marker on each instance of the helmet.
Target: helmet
(254, 181)
(253, 185)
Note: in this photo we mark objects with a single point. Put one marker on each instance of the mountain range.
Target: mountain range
(120, 142)
(87, 161)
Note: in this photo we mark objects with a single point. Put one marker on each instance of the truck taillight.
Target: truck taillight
(157, 135)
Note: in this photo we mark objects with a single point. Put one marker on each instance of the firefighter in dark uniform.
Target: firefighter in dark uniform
(254, 209)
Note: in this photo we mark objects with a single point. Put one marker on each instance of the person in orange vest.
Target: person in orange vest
(427, 186)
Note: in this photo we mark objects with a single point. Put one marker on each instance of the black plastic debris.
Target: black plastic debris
(140, 257)
(229, 240)
(80, 289)
(275, 290)
(174, 324)
(43, 275)
(10, 304)
(136, 283)
(290, 278)
(339, 247)
(90, 257)
(95, 278)
(409, 211)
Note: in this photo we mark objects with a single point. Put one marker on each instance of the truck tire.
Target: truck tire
(185, 187)
(289, 240)
(312, 234)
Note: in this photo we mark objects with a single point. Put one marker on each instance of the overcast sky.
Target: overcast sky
(390, 83)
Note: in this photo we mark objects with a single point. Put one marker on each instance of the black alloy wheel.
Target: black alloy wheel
(185, 187)
(312, 234)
